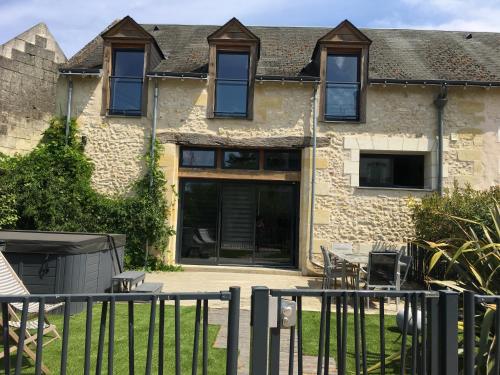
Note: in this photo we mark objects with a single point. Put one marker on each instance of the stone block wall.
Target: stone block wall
(398, 119)
(28, 78)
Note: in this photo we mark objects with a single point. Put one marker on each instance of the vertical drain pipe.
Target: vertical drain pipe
(152, 156)
(153, 131)
(440, 103)
(313, 178)
(68, 108)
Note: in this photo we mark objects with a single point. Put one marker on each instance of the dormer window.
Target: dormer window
(129, 51)
(342, 56)
(342, 87)
(233, 55)
(126, 82)
(231, 86)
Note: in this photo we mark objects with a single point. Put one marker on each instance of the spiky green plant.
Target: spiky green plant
(474, 261)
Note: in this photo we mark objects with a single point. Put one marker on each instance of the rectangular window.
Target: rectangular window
(126, 82)
(231, 86)
(240, 159)
(282, 160)
(342, 87)
(389, 170)
(198, 158)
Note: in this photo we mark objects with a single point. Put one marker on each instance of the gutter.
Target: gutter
(83, 72)
(433, 82)
(313, 179)
(440, 103)
(68, 109)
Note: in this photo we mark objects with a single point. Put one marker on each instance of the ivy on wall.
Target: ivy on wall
(50, 189)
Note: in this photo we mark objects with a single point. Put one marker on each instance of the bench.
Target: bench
(133, 281)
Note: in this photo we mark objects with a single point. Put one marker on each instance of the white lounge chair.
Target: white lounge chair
(10, 284)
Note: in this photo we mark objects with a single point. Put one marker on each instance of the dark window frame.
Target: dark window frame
(224, 150)
(181, 157)
(267, 168)
(121, 112)
(333, 83)
(219, 114)
(392, 157)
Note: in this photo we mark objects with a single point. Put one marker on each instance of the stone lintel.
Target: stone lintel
(195, 139)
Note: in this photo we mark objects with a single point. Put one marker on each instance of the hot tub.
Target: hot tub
(64, 263)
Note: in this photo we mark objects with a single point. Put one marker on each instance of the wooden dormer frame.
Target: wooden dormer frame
(232, 36)
(344, 38)
(124, 34)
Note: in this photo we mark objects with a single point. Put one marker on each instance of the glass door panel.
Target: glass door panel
(237, 223)
(199, 213)
(275, 224)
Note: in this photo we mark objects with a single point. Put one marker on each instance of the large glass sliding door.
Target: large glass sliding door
(199, 220)
(224, 222)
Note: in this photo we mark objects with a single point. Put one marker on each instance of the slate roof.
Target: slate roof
(287, 51)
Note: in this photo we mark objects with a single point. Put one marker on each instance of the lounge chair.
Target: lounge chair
(10, 284)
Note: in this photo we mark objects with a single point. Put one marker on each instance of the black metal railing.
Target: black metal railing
(433, 346)
(107, 322)
(125, 95)
(417, 345)
(420, 265)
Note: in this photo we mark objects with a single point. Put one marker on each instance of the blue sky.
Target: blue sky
(74, 23)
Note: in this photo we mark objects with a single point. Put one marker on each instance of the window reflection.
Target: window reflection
(342, 87)
(231, 89)
(192, 157)
(126, 82)
(241, 159)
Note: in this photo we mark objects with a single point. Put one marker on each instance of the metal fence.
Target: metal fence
(432, 348)
(108, 303)
(447, 340)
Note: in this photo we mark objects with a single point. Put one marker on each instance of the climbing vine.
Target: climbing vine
(50, 189)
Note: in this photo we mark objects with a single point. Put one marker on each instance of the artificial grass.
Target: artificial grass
(311, 323)
(52, 352)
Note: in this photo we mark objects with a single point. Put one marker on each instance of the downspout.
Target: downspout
(313, 179)
(153, 131)
(440, 103)
(152, 156)
(68, 108)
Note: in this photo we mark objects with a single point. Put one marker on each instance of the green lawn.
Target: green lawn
(311, 322)
(51, 353)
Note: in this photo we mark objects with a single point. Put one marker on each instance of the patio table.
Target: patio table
(357, 260)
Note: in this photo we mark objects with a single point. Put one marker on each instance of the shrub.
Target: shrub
(434, 217)
(50, 189)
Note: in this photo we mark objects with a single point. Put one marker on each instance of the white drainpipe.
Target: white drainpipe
(313, 179)
(68, 108)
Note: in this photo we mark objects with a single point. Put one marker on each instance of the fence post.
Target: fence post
(233, 331)
(448, 333)
(469, 334)
(259, 330)
(432, 345)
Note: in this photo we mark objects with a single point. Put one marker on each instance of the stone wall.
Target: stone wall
(115, 144)
(398, 119)
(28, 76)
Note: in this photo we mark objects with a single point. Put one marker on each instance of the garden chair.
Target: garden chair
(10, 284)
(332, 269)
(383, 271)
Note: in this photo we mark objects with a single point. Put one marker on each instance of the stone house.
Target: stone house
(281, 139)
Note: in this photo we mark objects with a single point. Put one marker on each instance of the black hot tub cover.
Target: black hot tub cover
(22, 241)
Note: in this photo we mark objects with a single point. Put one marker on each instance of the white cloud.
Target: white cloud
(460, 15)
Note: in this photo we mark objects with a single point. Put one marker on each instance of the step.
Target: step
(148, 288)
(128, 279)
(242, 269)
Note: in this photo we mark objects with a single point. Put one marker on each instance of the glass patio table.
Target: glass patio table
(358, 260)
